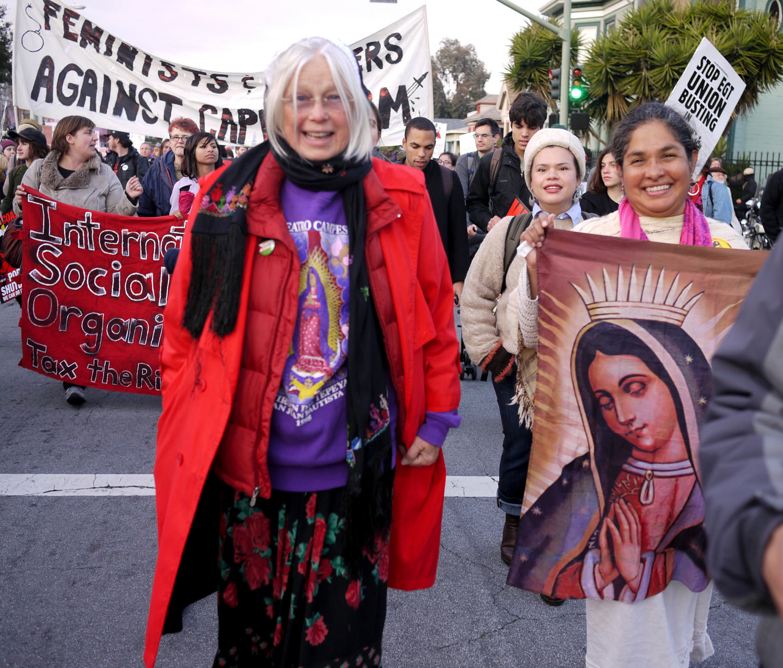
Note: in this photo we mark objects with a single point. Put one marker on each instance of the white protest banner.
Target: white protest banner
(440, 139)
(706, 95)
(395, 65)
(467, 143)
(64, 64)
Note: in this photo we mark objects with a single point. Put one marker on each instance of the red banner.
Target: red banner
(93, 293)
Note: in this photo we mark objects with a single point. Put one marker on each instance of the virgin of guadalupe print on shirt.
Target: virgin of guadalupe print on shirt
(613, 504)
(315, 367)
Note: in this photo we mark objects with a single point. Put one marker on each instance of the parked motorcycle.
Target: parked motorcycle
(752, 230)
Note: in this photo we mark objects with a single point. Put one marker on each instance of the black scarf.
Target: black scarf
(218, 247)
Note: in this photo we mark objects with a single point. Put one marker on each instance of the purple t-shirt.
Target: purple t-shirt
(308, 439)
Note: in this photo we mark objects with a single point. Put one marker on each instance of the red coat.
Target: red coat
(413, 294)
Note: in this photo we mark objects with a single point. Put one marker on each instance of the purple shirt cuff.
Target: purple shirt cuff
(436, 426)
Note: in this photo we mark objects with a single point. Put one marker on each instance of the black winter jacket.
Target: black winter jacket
(450, 216)
(486, 199)
(772, 205)
(158, 184)
(129, 165)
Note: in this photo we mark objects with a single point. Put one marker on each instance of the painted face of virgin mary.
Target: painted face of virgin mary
(637, 405)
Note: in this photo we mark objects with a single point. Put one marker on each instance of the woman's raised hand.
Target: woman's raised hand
(133, 187)
(536, 232)
(18, 194)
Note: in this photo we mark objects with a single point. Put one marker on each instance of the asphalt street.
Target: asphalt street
(75, 571)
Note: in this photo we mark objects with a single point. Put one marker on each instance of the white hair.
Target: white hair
(285, 70)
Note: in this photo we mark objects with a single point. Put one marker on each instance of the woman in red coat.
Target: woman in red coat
(310, 376)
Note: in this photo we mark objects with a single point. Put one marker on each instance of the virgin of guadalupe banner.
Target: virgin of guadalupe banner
(613, 504)
(93, 292)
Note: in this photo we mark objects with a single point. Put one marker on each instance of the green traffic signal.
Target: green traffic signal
(577, 93)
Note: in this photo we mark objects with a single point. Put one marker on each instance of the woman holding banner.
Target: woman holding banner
(553, 167)
(73, 173)
(309, 363)
(629, 624)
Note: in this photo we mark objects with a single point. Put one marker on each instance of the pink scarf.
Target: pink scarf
(695, 228)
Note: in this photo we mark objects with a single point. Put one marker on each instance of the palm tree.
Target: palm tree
(643, 58)
(534, 51)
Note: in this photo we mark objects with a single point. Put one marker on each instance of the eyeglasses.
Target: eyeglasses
(182, 138)
(477, 135)
(445, 163)
(306, 103)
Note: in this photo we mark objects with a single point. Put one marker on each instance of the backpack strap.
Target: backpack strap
(494, 168)
(516, 226)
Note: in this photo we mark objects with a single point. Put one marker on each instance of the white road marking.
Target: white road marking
(141, 484)
(81, 484)
(471, 486)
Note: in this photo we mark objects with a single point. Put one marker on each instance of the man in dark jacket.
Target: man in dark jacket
(741, 455)
(448, 200)
(125, 161)
(493, 191)
(744, 188)
(165, 171)
(772, 205)
(485, 134)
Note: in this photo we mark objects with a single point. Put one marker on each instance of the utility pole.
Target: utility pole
(564, 34)
(566, 62)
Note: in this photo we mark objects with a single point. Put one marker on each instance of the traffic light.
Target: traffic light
(554, 83)
(579, 121)
(578, 91)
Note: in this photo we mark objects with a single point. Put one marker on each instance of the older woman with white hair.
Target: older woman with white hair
(310, 377)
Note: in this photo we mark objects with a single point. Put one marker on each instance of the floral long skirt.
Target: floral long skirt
(286, 597)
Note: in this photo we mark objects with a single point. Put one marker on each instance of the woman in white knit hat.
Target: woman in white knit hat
(554, 165)
(553, 159)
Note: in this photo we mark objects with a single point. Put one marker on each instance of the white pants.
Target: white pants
(668, 630)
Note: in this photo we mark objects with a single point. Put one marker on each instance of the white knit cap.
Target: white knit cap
(554, 137)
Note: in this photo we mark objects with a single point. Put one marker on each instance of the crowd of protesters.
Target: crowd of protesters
(304, 436)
